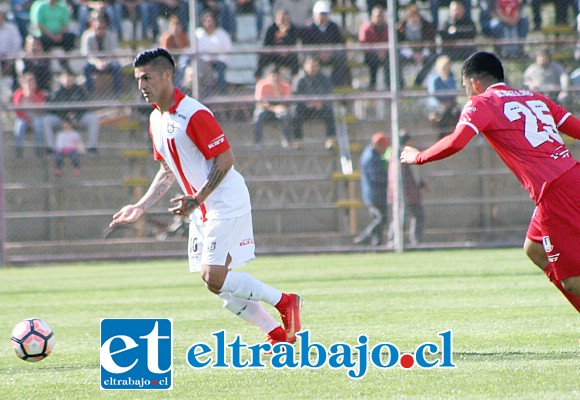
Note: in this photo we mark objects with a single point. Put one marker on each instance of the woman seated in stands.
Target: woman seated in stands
(281, 33)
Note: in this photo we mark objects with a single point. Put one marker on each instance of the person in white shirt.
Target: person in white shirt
(213, 43)
(69, 143)
(193, 151)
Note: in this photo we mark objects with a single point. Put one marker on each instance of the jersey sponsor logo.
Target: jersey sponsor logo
(183, 117)
(246, 242)
(554, 258)
(136, 353)
(547, 244)
(355, 359)
(219, 140)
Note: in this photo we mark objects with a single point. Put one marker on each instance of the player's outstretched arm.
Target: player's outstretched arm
(158, 188)
(187, 203)
(443, 148)
(571, 127)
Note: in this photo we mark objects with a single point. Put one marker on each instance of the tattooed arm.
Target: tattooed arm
(160, 185)
(186, 204)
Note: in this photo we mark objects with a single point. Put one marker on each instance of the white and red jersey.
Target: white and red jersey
(522, 127)
(188, 138)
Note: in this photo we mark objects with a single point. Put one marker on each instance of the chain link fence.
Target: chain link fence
(297, 142)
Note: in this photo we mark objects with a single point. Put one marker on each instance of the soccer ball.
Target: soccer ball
(32, 339)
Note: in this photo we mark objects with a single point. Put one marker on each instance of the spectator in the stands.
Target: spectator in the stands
(414, 28)
(21, 16)
(312, 83)
(213, 43)
(27, 95)
(252, 7)
(504, 20)
(50, 20)
(373, 3)
(69, 143)
(443, 81)
(435, 5)
(99, 39)
(175, 38)
(126, 9)
(113, 9)
(10, 48)
(375, 31)
(282, 32)
(71, 92)
(223, 13)
(300, 11)
(548, 77)
(151, 10)
(560, 11)
(39, 67)
(325, 32)
(458, 27)
(267, 91)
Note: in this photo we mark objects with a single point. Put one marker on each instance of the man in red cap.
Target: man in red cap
(374, 179)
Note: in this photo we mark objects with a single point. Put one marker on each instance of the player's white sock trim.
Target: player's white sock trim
(245, 286)
(250, 311)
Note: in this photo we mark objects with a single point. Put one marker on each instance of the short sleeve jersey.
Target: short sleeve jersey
(52, 18)
(522, 127)
(188, 138)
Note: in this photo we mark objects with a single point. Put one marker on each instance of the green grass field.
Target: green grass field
(515, 336)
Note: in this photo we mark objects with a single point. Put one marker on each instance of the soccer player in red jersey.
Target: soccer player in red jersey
(523, 128)
(194, 152)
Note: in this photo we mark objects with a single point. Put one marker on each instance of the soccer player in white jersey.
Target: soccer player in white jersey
(523, 128)
(194, 151)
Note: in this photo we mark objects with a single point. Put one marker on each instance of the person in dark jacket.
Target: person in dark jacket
(374, 181)
(323, 32)
(281, 33)
(459, 26)
(314, 83)
(413, 186)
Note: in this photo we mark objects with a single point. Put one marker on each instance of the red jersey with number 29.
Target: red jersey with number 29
(522, 127)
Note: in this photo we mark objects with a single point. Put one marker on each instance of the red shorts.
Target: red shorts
(556, 224)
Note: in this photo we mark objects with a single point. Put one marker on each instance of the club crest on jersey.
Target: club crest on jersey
(170, 127)
(211, 246)
(547, 244)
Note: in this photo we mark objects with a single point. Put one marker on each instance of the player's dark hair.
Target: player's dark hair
(159, 58)
(483, 64)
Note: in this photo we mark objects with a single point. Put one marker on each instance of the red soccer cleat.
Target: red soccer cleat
(289, 308)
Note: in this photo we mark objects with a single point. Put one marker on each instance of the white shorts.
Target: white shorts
(212, 241)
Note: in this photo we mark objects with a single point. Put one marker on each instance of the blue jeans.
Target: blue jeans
(20, 127)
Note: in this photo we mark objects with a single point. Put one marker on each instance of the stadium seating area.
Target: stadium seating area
(298, 205)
